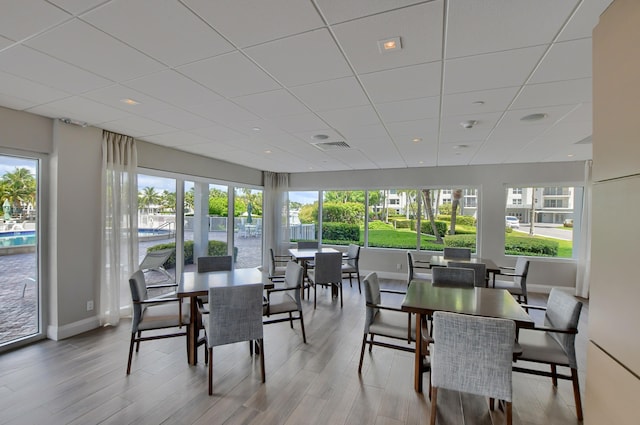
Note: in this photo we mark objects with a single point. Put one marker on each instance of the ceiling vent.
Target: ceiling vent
(586, 141)
(332, 146)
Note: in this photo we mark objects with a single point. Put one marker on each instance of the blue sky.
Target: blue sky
(10, 163)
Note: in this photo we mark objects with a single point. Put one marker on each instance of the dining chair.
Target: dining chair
(480, 270)
(234, 315)
(459, 253)
(327, 272)
(384, 320)
(518, 286)
(455, 277)
(308, 244)
(152, 314)
(418, 265)
(473, 355)
(351, 265)
(286, 299)
(215, 263)
(553, 343)
(277, 266)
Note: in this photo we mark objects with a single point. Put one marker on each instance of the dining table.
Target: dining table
(442, 261)
(304, 256)
(193, 285)
(423, 299)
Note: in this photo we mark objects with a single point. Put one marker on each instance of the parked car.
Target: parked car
(568, 222)
(512, 222)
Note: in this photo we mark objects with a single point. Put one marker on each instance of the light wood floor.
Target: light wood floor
(82, 380)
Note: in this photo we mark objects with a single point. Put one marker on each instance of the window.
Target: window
(247, 227)
(343, 217)
(303, 216)
(392, 218)
(544, 214)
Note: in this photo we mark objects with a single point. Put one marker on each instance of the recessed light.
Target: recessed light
(256, 128)
(267, 152)
(129, 102)
(478, 102)
(320, 137)
(468, 123)
(416, 139)
(459, 146)
(570, 155)
(534, 117)
(392, 44)
(420, 162)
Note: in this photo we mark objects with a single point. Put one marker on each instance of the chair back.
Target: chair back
(272, 265)
(372, 296)
(520, 272)
(328, 267)
(293, 278)
(412, 259)
(215, 263)
(138, 287)
(308, 244)
(480, 270)
(563, 312)
(235, 314)
(155, 259)
(353, 255)
(455, 277)
(473, 354)
(460, 253)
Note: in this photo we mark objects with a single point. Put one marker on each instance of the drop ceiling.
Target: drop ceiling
(253, 81)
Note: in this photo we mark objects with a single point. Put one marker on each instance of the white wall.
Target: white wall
(491, 180)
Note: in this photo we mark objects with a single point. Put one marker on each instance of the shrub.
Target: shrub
(215, 248)
(340, 232)
(403, 223)
(465, 220)
(442, 226)
(461, 241)
(380, 225)
(522, 245)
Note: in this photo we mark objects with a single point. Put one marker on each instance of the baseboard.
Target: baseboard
(57, 333)
(386, 275)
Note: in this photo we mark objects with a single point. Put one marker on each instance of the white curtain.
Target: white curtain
(583, 272)
(275, 233)
(119, 224)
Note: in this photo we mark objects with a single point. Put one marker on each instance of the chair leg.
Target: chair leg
(509, 412)
(364, 343)
(371, 344)
(340, 284)
(210, 350)
(359, 286)
(314, 296)
(492, 403)
(304, 336)
(291, 320)
(138, 344)
(261, 344)
(576, 393)
(554, 376)
(133, 337)
(434, 398)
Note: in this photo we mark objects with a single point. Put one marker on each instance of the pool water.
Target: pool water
(19, 238)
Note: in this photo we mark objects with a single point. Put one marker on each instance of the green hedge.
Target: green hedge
(465, 220)
(340, 232)
(215, 248)
(404, 223)
(442, 226)
(461, 241)
(515, 245)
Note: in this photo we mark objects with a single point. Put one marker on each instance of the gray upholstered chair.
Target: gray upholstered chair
(480, 270)
(287, 299)
(459, 253)
(277, 266)
(553, 343)
(327, 272)
(384, 320)
(152, 314)
(351, 265)
(518, 286)
(154, 261)
(308, 244)
(417, 266)
(473, 355)
(215, 263)
(456, 277)
(235, 315)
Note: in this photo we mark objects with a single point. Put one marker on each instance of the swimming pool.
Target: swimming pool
(18, 238)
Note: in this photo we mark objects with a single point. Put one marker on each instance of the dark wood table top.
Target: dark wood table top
(424, 298)
(194, 284)
(308, 254)
(441, 261)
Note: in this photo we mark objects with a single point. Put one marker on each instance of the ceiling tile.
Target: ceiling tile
(332, 94)
(161, 34)
(467, 103)
(499, 25)
(406, 131)
(137, 126)
(565, 61)
(491, 71)
(177, 139)
(350, 117)
(300, 123)
(584, 20)
(176, 117)
(21, 19)
(32, 65)
(89, 48)
(76, 7)
(302, 59)
(409, 110)
(411, 82)
(557, 93)
(218, 133)
(223, 112)
(115, 95)
(272, 104)
(30, 92)
(419, 28)
(340, 10)
(249, 22)
(80, 109)
(231, 75)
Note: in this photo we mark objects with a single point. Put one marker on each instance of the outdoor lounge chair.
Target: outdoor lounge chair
(154, 260)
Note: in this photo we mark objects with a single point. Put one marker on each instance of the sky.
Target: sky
(10, 163)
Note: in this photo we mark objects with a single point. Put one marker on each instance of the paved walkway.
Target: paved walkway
(18, 314)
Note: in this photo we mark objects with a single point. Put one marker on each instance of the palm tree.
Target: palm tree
(426, 194)
(457, 195)
(19, 187)
(149, 197)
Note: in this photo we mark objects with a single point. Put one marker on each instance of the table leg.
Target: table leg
(192, 333)
(417, 384)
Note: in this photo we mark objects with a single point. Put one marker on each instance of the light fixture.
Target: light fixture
(416, 139)
(570, 155)
(267, 152)
(392, 44)
(130, 102)
(320, 137)
(420, 162)
(256, 128)
(459, 146)
(534, 117)
(73, 122)
(468, 123)
(478, 102)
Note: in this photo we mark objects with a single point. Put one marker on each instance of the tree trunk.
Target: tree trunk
(426, 193)
(455, 202)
